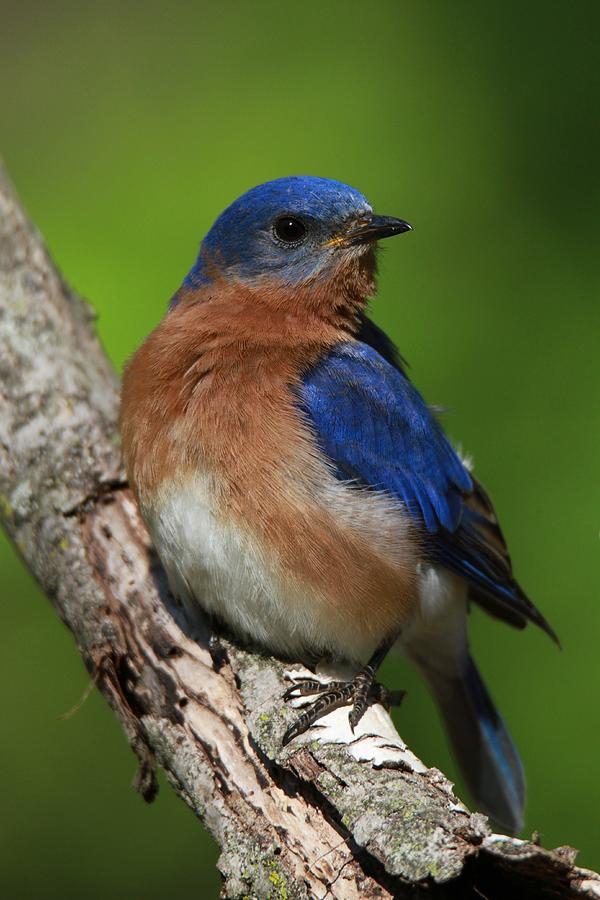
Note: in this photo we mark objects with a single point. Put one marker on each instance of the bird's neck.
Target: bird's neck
(333, 299)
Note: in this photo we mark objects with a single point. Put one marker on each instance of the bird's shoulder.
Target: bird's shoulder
(377, 431)
(373, 423)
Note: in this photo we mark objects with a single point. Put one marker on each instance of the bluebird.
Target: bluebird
(297, 486)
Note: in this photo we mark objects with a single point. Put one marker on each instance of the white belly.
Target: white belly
(227, 571)
(232, 576)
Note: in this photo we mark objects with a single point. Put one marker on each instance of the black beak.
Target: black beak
(373, 228)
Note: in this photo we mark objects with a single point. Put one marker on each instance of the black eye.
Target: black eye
(289, 229)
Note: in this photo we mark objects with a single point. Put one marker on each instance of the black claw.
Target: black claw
(301, 689)
(292, 732)
(305, 688)
(355, 715)
(361, 692)
(334, 694)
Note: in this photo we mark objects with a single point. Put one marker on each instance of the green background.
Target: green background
(127, 129)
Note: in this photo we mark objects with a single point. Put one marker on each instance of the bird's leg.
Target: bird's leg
(361, 692)
(365, 683)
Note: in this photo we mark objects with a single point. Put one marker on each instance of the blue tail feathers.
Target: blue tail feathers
(486, 754)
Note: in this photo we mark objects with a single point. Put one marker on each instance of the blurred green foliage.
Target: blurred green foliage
(127, 128)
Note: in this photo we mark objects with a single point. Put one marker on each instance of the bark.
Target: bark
(334, 816)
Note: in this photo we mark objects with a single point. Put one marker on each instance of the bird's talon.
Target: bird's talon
(362, 692)
(289, 735)
(308, 687)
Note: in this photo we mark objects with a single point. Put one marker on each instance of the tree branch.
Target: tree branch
(339, 816)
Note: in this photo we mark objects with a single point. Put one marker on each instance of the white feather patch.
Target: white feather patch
(230, 573)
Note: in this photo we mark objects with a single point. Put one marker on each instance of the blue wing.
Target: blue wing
(377, 430)
(375, 426)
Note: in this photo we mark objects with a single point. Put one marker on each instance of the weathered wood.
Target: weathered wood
(354, 819)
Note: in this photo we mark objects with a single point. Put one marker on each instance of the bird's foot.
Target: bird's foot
(361, 692)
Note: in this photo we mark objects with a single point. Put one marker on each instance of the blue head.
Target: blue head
(290, 230)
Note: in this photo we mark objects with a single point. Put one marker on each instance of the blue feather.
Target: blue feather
(377, 429)
(240, 241)
(484, 749)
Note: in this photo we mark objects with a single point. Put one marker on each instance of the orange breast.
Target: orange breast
(212, 392)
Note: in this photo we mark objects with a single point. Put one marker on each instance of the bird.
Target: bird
(296, 485)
